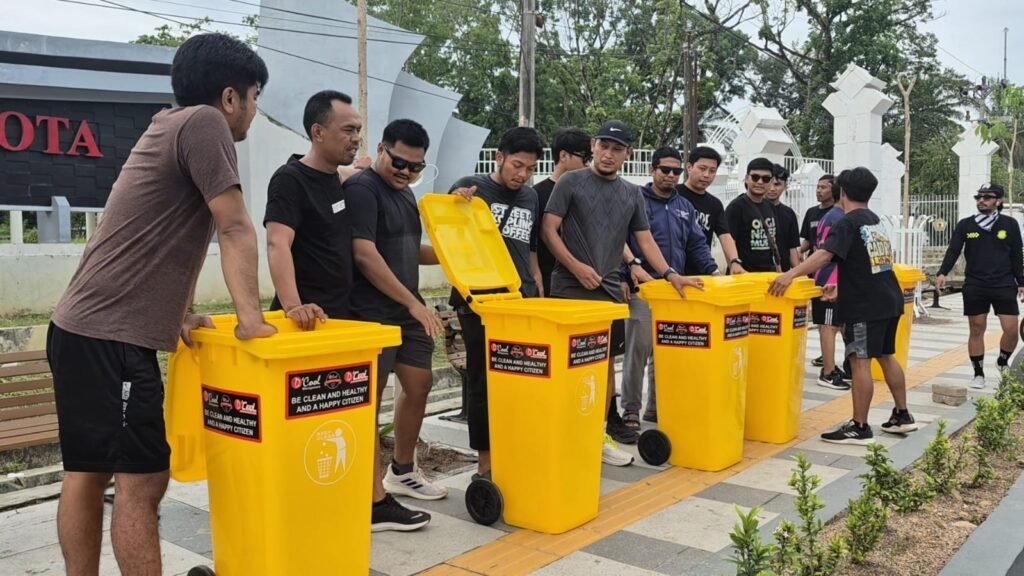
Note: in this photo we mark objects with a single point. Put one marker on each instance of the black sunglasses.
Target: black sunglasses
(585, 156)
(985, 197)
(666, 170)
(400, 163)
(766, 178)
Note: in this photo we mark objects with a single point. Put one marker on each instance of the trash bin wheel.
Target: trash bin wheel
(484, 501)
(201, 571)
(654, 447)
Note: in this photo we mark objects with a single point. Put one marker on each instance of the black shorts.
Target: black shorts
(110, 404)
(416, 350)
(824, 313)
(871, 339)
(978, 300)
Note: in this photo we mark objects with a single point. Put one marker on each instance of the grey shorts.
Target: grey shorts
(871, 339)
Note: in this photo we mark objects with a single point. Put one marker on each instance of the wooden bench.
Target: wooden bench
(28, 415)
(455, 349)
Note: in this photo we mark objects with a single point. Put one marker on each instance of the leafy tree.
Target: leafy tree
(170, 37)
(1004, 129)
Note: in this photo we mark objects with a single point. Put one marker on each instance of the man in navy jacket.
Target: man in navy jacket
(681, 240)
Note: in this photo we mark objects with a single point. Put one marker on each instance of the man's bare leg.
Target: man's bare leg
(134, 529)
(80, 521)
(410, 406)
(863, 388)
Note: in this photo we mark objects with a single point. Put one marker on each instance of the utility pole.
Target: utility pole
(527, 52)
(363, 108)
(906, 90)
(690, 116)
(1006, 32)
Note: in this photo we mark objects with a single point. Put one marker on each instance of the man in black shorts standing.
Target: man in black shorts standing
(994, 277)
(131, 297)
(514, 207)
(570, 150)
(871, 301)
(701, 169)
(388, 252)
(597, 211)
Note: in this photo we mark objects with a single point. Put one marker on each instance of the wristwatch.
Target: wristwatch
(735, 261)
(669, 272)
(636, 262)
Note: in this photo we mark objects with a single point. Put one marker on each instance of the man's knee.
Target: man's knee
(141, 489)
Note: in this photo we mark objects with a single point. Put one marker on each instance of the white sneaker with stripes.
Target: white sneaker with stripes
(413, 484)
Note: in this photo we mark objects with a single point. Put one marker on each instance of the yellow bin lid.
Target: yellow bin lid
(556, 310)
(469, 247)
(330, 337)
(908, 275)
(802, 288)
(718, 290)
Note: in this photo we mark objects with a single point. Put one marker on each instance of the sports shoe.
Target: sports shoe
(389, 514)
(620, 432)
(612, 455)
(844, 372)
(900, 423)
(631, 419)
(978, 382)
(650, 416)
(833, 381)
(413, 484)
(850, 433)
(819, 361)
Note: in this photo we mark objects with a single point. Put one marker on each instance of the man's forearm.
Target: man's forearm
(376, 270)
(652, 253)
(557, 247)
(535, 272)
(239, 263)
(428, 257)
(282, 273)
(812, 264)
(728, 247)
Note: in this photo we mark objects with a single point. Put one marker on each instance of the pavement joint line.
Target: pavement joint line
(531, 550)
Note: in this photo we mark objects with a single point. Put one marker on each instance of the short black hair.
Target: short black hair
(836, 191)
(701, 152)
(858, 184)
(571, 140)
(409, 132)
(780, 172)
(828, 177)
(319, 107)
(206, 64)
(665, 152)
(761, 164)
(521, 139)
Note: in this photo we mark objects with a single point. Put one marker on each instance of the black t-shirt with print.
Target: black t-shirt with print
(312, 203)
(752, 225)
(868, 289)
(809, 228)
(709, 210)
(787, 233)
(545, 258)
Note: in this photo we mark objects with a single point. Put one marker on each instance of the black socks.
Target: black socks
(401, 468)
(977, 362)
(1004, 358)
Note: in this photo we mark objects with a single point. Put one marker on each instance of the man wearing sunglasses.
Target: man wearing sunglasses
(597, 211)
(994, 276)
(570, 150)
(788, 236)
(387, 250)
(681, 241)
(751, 220)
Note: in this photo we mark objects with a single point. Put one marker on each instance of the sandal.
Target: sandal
(631, 420)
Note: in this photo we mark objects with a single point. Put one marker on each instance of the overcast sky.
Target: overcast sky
(970, 32)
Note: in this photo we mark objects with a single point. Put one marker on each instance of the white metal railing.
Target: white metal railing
(638, 165)
(16, 225)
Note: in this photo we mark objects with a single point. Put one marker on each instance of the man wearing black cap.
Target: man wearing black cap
(994, 277)
(597, 211)
(751, 220)
(570, 150)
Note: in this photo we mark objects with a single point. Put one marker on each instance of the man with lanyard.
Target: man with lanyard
(824, 310)
(514, 207)
(682, 242)
(701, 168)
(597, 211)
(570, 150)
(388, 251)
(994, 277)
(787, 229)
(809, 227)
(751, 220)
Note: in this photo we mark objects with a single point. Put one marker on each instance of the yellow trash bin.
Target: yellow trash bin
(547, 369)
(778, 346)
(908, 277)
(288, 424)
(700, 361)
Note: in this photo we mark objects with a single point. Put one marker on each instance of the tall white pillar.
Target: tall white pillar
(975, 168)
(890, 178)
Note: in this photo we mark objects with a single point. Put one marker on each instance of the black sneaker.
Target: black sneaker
(850, 433)
(900, 423)
(388, 514)
(819, 361)
(621, 433)
(833, 381)
(846, 370)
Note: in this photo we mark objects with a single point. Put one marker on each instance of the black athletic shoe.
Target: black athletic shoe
(846, 370)
(819, 361)
(850, 433)
(388, 514)
(833, 381)
(621, 433)
(900, 423)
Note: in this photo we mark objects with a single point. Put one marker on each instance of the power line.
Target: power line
(728, 30)
(954, 57)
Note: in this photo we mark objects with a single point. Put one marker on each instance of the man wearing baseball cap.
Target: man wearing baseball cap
(597, 211)
(994, 276)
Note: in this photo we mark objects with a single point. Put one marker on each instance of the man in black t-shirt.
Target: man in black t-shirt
(994, 277)
(809, 227)
(309, 244)
(570, 150)
(388, 251)
(701, 168)
(514, 207)
(751, 220)
(871, 301)
(787, 229)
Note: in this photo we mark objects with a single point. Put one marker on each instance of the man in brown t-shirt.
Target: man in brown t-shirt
(131, 294)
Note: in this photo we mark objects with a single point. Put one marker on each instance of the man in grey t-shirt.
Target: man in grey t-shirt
(597, 211)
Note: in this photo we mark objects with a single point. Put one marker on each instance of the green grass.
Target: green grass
(24, 320)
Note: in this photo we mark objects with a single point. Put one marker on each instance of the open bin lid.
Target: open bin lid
(908, 275)
(802, 288)
(331, 337)
(565, 312)
(718, 291)
(469, 247)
